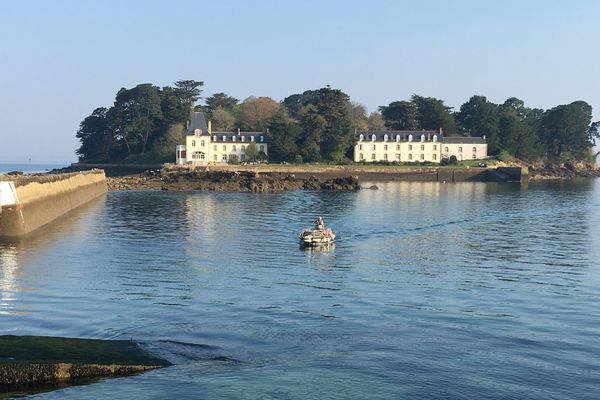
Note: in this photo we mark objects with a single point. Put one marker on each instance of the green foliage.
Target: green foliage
(252, 152)
(452, 160)
(400, 115)
(569, 128)
(480, 117)
(234, 159)
(298, 159)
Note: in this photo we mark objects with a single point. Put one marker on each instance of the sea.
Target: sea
(29, 168)
(432, 291)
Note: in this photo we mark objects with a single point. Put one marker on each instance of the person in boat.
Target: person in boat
(320, 225)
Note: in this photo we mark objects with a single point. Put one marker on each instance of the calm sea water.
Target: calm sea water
(29, 167)
(434, 291)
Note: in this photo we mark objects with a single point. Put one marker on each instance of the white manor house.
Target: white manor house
(203, 146)
(416, 146)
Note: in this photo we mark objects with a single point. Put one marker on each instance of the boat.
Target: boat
(319, 235)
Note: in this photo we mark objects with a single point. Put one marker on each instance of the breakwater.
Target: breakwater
(29, 202)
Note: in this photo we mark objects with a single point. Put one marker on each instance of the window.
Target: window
(422, 147)
(243, 157)
(361, 157)
(445, 149)
(385, 156)
(385, 146)
(422, 138)
(397, 157)
(410, 138)
(422, 156)
(410, 147)
(474, 149)
(243, 149)
(434, 147)
(215, 147)
(385, 137)
(373, 137)
(197, 155)
(233, 138)
(214, 157)
(215, 138)
(361, 137)
(434, 157)
(373, 156)
(360, 146)
(233, 148)
(374, 147)
(224, 147)
(435, 138)
(262, 138)
(252, 138)
(224, 157)
(460, 149)
(224, 138)
(193, 143)
(243, 138)
(410, 156)
(474, 157)
(397, 138)
(398, 147)
(262, 148)
(202, 143)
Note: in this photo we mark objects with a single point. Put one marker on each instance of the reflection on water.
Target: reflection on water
(467, 290)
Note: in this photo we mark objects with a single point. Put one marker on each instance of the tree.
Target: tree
(222, 120)
(313, 131)
(375, 122)
(95, 138)
(222, 101)
(433, 114)
(479, 117)
(358, 116)
(251, 152)
(297, 104)
(188, 93)
(400, 115)
(256, 112)
(518, 129)
(569, 128)
(338, 137)
(284, 134)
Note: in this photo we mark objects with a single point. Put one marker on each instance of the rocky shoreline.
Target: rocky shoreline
(228, 181)
(564, 171)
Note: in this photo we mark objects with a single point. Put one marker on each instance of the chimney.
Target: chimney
(209, 126)
(429, 137)
(238, 131)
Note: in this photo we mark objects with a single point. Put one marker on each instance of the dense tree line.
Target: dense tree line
(319, 125)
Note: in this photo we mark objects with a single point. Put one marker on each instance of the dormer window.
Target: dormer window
(197, 132)
(243, 138)
(233, 138)
(252, 138)
(373, 137)
(435, 138)
(422, 138)
(262, 138)
(224, 138)
(215, 138)
(385, 137)
(397, 138)
(361, 137)
(410, 138)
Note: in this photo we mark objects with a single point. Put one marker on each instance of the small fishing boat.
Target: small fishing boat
(318, 235)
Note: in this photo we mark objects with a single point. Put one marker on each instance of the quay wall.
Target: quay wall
(43, 198)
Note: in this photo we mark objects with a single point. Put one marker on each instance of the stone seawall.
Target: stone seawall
(30, 202)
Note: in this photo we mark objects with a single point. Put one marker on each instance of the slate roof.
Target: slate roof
(465, 140)
(198, 122)
(238, 137)
(379, 135)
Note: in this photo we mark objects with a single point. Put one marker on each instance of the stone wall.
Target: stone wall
(41, 199)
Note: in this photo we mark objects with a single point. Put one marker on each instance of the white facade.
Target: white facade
(416, 146)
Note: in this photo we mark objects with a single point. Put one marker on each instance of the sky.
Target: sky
(61, 59)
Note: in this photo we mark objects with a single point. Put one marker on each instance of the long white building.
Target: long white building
(203, 146)
(416, 146)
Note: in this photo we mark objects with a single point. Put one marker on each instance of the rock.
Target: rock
(373, 187)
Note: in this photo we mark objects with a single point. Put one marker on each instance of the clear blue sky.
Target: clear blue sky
(61, 59)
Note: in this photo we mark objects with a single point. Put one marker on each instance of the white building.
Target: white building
(203, 146)
(416, 146)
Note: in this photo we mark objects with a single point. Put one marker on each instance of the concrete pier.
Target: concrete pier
(29, 202)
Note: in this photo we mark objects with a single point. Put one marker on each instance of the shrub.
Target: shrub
(453, 160)
(298, 159)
